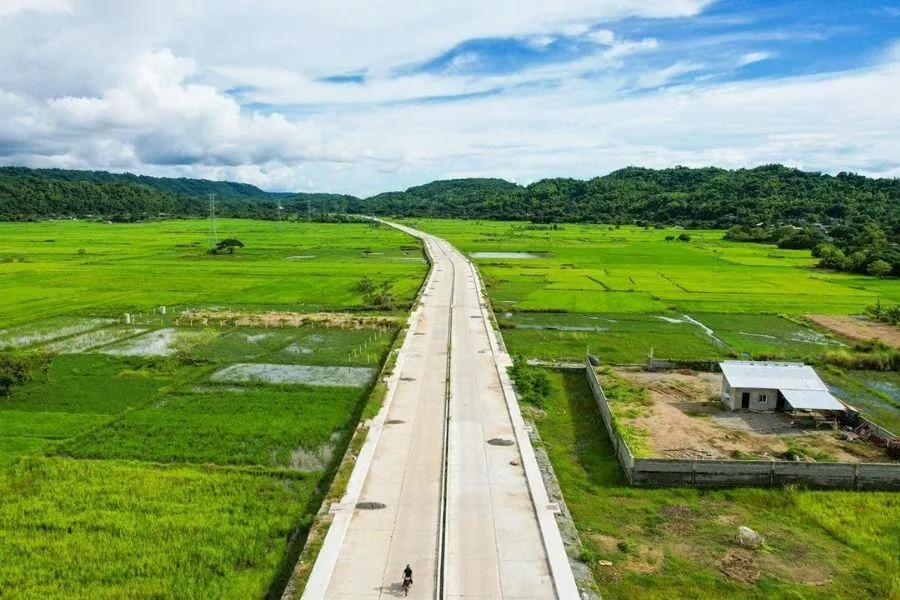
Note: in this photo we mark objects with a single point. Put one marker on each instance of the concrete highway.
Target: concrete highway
(447, 479)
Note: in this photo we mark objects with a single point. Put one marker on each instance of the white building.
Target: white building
(768, 386)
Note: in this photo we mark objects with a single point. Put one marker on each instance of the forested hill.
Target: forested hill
(707, 197)
(193, 188)
(40, 193)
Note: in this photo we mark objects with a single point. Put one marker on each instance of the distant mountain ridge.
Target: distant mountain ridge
(36, 193)
(702, 197)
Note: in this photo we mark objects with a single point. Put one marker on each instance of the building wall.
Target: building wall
(717, 473)
(732, 398)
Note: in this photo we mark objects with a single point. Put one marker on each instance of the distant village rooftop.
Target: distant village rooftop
(765, 386)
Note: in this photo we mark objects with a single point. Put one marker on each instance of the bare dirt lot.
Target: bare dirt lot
(687, 420)
(858, 329)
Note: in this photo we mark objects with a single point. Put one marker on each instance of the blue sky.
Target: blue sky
(348, 96)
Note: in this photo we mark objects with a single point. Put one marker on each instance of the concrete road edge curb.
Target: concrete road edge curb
(560, 569)
(326, 561)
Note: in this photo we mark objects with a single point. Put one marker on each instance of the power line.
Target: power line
(213, 235)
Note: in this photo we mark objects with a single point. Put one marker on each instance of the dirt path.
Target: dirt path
(858, 329)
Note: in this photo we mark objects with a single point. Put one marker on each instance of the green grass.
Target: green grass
(627, 401)
(600, 269)
(670, 543)
(615, 338)
(252, 426)
(103, 529)
(95, 384)
(136, 267)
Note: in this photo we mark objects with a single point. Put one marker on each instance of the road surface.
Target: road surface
(447, 479)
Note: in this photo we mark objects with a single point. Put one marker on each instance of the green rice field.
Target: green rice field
(128, 470)
(604, 269)
(50, 269)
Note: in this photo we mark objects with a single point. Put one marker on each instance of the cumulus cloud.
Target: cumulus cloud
(216, 89)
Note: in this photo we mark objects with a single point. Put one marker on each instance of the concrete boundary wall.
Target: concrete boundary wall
(723, 473)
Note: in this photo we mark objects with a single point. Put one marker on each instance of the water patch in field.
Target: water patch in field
(215, 389)
(811, 337)
(253, 339)
(315, 460)
(299, 257)
(156, 343)
(507, 255)
(18, 337)
(563, 327)
(670, 319)
(93, 339)
(298, 349)
(708, 331)
(295, 374)
(885, 387)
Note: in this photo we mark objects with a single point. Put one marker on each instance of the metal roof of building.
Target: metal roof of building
(811, 400)
(801, 386)
(771, 376)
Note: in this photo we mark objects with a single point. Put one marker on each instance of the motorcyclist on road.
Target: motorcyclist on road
(407, 578)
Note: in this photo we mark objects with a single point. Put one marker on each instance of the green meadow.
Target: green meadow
(128, 470)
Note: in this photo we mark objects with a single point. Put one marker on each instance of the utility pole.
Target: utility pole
(213, 236)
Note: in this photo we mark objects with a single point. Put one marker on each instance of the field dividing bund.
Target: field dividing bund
(129, 469)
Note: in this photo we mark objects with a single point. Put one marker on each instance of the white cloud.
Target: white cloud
(9, 7)
(140, 86)
(754, 57)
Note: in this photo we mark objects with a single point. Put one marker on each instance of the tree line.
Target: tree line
(851, 222)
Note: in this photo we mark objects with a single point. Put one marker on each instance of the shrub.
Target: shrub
(532, 382)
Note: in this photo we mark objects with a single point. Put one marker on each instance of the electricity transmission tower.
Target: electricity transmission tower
(213, 236)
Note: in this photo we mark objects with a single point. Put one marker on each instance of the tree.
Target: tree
(879, 268)
(380, 298)
(365, 285)
(228, 244)
(14, 370)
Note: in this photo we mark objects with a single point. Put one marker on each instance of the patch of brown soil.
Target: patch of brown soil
(677, 511)
(726, 519)
(282, 319)
(741, 565)
(680, 520)
(685, 423)
(858, 329)
(604, 543)
(809, 574)
(647, 559)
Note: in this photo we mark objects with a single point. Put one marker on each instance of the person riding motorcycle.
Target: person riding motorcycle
(407, 578)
